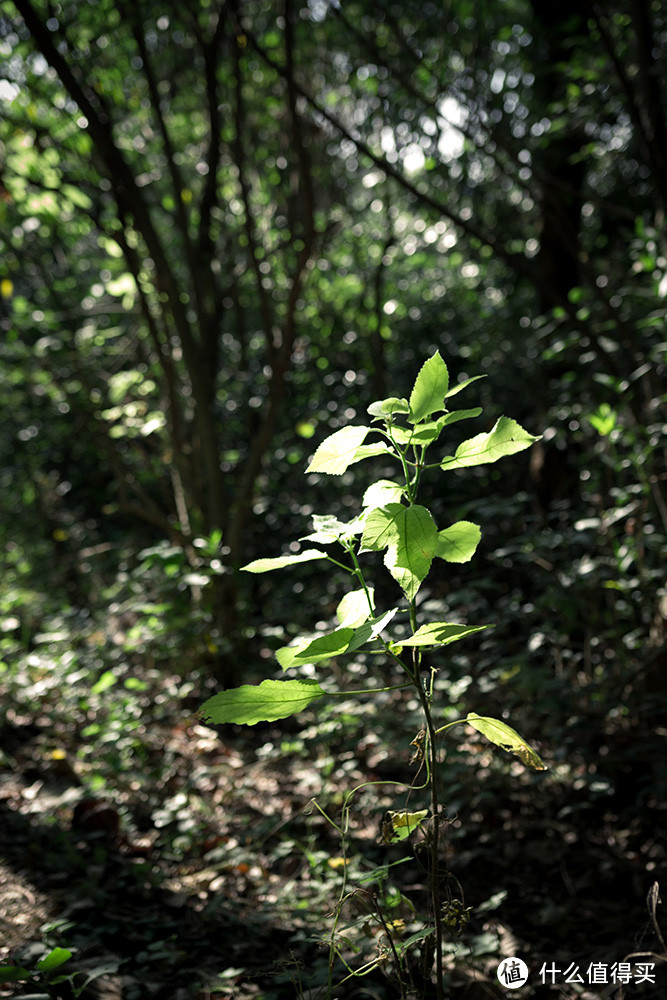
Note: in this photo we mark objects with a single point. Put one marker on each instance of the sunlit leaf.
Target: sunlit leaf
(279, 562)
(370, 450)
(315, 650)
(430, 388)
(462, 385)
(55, 958)
(455, 415)
(337, 451)
(265, 702)
(383, 492)
(398, 826)
(328, 529)
(422, 434)
(457, 543)
(440, 634)
(402, 435)
(354, 610)
(410, 536)
(429, 431)
(409, 559)
(381, 527)
(603, 420)
(330, 644)
(387, 407)
(504, 736)
(506, 438)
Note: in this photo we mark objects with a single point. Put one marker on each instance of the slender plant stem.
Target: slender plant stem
(390, 939)
(435, 837)
(358, 572)
(425, 696)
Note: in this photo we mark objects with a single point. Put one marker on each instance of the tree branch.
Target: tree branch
(517, 262)
(241, 165)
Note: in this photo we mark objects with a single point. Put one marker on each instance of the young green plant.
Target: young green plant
(391, 521)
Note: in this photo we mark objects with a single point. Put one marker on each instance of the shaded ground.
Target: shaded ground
(205, 871)
(178, 862)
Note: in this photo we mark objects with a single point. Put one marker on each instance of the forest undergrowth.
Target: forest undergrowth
(174, 860)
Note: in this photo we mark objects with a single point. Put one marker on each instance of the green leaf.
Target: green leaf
(430, 388)
(429, 431)
(410, 536)
(409, 564)
(423, 434)
(455, 415)
(506, 438)
(402, 435)
(384, 408)
(266, 565)
(381, 527)
(457, 544)
(330, 644)
(398, 826)
(13, 974)
(54, 959)
(314, 650)
(353, 610)
(462, 385)
(265, 702)
(504, 736)
(370, 450)
(338, 450)
(603, 420)
(329, 529)
(379, 873)
(383, 492)
(440, 634)
(404, 945)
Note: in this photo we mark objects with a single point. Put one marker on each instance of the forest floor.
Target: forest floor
(176, 861)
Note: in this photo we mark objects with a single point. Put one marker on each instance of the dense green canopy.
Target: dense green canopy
(210, 211)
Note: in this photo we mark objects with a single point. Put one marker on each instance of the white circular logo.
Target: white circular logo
(512, 973)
